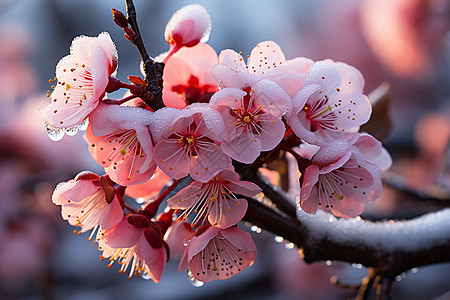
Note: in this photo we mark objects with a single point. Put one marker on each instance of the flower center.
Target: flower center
(190, 139)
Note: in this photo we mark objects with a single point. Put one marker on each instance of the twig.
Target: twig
(153, 70)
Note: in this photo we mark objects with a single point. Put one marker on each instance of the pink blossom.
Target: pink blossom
(136, 243)
(218, 254)
(188, 146)
(251, 106)
(149, 189)
(188, 77)
(251, 118)
(215, 199)
(88, 201)
(187, 27)
(344, 176)
(80, 82)
(120, 141)
(331, 104)
(176, 236)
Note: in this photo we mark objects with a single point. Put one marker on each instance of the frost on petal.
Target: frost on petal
(271, 96)
(162, 121)
(232, 60)
(232, 247)
(188, 26)
(126, 154)
(373, 152)
(325, 75)
(265, 58)
(272, 132)
(81, 80)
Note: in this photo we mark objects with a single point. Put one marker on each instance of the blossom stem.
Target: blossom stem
(166, 192)
(302, 162)
(119, 102)
(134, 211)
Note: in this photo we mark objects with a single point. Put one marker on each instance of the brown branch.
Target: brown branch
(316, 246)
(153, 70)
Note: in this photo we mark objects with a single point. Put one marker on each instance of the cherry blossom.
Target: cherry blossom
(215, 199)
(330, 105)
(80, 82)
(188, 77)
(120, 141)
(189, 146)
(218, 254)
(88, 201)
(251, 106)
(136, 243)
(344, 176)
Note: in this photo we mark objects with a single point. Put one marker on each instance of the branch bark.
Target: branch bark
(315, 246)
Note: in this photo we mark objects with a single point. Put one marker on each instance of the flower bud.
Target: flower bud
(188, 26)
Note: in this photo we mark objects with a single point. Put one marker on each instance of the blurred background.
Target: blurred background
(403, 42)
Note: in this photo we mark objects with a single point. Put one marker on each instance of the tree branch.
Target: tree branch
(373, 244)
(153, 70)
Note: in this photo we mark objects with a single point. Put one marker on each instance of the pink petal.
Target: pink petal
(245, 188)
(198, 243)
(265, 57)
(123, 235)
(150, 188)
(310, 179)
(239, 238)
(325, 75)
(172, 159)
(227, 96)
(223, 215)
(352, 80)
(208, 163)
(273, 130)
(232, 60)
(154, 258)
(244, 148)
(178, 234)
(186, 197)
(113, 215)
(271, 97)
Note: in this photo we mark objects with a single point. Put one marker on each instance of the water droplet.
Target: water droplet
(330, 219)
(359, 266)
(146, 276)
(328, 263)
(55, 134)
(289, 245)
(258, 230)
(83, 125)
(398, 278)
(194, 282)
(414, 270)
(254, 228)
(140, 200)
(71, 131)
(186, 242)
(278, 239)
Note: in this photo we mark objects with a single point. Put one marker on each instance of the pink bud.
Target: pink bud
(188, 26)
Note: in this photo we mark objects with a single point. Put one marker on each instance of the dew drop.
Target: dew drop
(140, 200)
(254, 228)
(71, 131)
(414, 270)
(83, 125)
(185, 242)
(55, 134)
(278, 239)
(146, 276)
(289, 245)
(193, 281)
(329, 263)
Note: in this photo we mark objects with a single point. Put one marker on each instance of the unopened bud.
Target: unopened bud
(188, 26)
(119, 18)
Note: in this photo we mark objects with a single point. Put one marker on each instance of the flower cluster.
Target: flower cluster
(219, 110)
